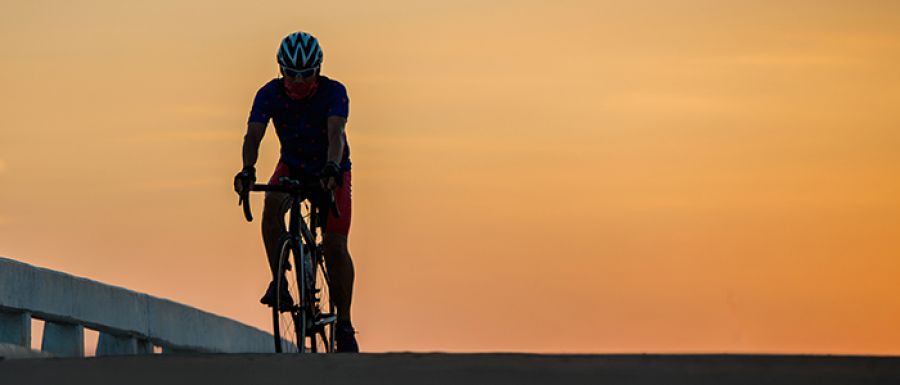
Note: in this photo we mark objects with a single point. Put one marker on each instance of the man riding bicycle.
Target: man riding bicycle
(309, 112)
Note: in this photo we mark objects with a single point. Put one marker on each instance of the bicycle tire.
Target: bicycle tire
(285, 329)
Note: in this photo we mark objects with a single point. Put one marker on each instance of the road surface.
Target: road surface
(437, 368)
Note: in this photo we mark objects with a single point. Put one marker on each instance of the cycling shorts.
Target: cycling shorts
(339, 225)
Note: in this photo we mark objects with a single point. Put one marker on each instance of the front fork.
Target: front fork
(309, 256)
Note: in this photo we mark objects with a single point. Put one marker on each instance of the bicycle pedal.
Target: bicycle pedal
(325, 319)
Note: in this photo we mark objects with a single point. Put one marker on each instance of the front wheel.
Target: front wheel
(287, 319)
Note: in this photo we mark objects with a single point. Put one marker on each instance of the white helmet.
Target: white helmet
(299, 51)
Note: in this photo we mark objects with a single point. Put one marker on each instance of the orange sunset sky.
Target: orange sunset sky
(567, 176)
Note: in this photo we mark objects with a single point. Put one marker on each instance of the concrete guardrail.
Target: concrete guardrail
(128, 322)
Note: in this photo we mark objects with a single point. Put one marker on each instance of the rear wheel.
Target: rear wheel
(322, 340)
(286, 318)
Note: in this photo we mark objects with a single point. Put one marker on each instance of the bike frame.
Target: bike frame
(299, 231)
(297, 227)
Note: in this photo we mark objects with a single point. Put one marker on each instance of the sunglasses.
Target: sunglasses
(302, 74)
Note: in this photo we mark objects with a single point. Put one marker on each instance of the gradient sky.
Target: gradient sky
(569, 176)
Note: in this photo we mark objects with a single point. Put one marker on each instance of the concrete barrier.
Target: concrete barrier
(10, 351)
(129, 322)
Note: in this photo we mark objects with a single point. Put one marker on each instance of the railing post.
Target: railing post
(15, 328)
(171, 350)
(63, 340)
(113, 345)
(144, 347)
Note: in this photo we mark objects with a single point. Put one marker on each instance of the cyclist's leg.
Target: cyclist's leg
(337, 255)
(273, 227)
(340, 271)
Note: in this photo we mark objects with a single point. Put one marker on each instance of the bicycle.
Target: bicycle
(307, 323)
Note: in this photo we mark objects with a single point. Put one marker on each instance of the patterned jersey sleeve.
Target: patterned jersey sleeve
(261, 111)
(339, 102)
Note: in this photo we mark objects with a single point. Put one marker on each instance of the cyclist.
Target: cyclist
(309, 112)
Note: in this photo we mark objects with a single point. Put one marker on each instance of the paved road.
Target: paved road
(413, 368)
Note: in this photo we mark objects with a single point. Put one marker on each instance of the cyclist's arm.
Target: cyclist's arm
(254, 136)
(336, 138)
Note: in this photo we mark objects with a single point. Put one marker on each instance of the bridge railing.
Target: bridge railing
(128, 322)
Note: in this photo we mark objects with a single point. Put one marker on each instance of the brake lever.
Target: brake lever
(333, 203)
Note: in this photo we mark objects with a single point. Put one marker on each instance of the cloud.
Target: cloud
(166, 184)
(195, 135)
(668, 102)
(798, 61)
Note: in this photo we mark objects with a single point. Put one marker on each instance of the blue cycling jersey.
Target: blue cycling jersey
(302, 125)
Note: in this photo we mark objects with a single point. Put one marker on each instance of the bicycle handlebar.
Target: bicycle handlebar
(289, 186)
